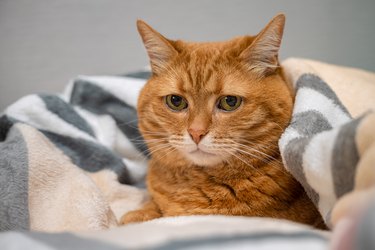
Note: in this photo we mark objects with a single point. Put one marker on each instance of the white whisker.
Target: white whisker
(242, 160)
(247, 150)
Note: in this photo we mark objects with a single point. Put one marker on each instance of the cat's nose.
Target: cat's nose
(197, 134)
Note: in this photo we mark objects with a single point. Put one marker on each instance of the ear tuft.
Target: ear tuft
(262, 55)
(159, 49)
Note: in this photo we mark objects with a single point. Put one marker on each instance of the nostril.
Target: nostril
(191, 136)
(196, 135)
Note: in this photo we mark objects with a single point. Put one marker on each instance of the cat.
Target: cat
(211, 115)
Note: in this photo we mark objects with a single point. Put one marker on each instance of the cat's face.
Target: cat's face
(210, 102)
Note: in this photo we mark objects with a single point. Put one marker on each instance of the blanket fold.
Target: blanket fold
(321, 147)
(82, 157)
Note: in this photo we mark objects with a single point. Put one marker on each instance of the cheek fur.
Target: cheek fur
(166, 122)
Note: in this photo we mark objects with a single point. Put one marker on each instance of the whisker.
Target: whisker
(242, 160)
(154, 133)
(127, 123)
(247, 150)
(262, 146)
(151, 149)
(148, 141)
(267, 161)
(255, 150)
(169, 150)
(141, 137)
(270, 147)
(157, 147)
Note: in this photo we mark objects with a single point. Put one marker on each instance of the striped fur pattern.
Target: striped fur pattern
(208, 161)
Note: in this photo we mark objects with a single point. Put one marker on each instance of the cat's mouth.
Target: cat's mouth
(203, 158)
(200, 152)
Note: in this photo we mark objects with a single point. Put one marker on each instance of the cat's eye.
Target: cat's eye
(229, 102)
(176, 102)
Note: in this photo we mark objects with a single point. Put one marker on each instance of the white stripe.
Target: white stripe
(308, 99)
(317, 168)
(289, 134)
(104, 126)
(125, 147)
(126, 89)
(137, 169)
(67, 93)
(32, 110)
(108, 134)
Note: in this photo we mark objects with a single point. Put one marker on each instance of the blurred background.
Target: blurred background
(45, 43)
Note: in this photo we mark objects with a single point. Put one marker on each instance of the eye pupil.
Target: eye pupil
(231, 100)
(176, 100)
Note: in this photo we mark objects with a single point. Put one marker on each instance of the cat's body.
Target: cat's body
(212, 114)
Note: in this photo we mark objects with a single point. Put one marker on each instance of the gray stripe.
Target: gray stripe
(5, 124)
(90, 156)
(100, 101)
(309, 123)
(314, 82)
(345, 158)
(14, 211)
(66, 112)
(68, 241)
(140, 75)
(293, 156)
(246, 240)
(365, 234)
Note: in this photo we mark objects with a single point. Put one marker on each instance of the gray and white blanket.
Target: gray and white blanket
(76, 162)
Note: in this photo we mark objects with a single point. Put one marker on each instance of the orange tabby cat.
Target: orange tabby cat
(211, 115)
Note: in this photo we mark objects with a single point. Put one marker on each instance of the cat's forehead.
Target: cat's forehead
(204, 81)
(204, 69)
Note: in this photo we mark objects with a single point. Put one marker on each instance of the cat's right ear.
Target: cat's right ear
(159, 49)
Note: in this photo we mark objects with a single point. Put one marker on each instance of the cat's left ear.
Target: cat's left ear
(262, 55)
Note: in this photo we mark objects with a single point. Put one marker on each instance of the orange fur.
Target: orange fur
(230, 163)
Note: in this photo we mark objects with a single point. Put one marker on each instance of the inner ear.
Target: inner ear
(159, 49)
(261, 57)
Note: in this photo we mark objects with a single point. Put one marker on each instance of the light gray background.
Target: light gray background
(45, 43)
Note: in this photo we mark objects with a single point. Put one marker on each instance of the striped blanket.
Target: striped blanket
(75, 162)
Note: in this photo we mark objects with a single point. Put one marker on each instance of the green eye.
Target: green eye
(176, 102)
(229, 102)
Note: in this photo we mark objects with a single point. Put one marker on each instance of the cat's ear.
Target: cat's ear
(159, 49)
(262, 55)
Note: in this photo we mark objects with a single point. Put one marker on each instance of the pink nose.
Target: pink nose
(197, 135)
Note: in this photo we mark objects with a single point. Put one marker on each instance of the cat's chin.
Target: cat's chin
(202, 158)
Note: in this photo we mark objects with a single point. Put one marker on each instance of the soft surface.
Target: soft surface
(73, 162)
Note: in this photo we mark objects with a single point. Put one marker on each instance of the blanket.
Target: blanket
(76, 162)
(72, 161)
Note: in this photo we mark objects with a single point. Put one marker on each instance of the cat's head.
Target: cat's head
(211, 102)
